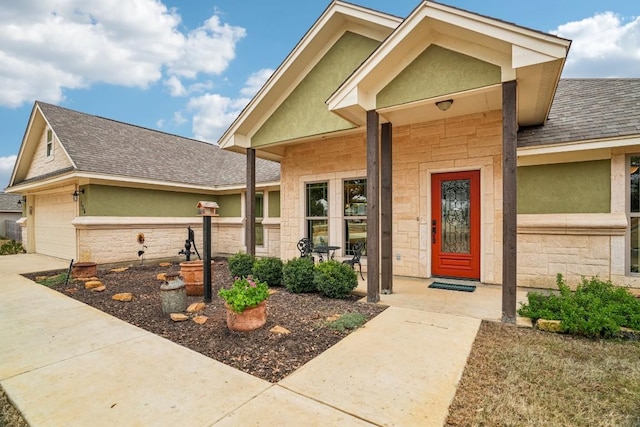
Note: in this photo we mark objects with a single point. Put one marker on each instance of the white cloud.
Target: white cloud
(160, 123)
(214, 113)
(178, 118)
(255, 82)
(6, 168)
(70, 44)
(176, 88)
(604, 45)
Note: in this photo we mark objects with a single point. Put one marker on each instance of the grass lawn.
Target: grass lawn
(524, 377)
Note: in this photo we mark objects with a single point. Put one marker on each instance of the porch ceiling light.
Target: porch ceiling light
(444, 105)
(76, 193)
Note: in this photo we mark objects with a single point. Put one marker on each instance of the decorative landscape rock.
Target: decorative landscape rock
(165, 264)
(200, 319)
(178, 317)
(279, 330)
(549, 325)
(99, 289)
(91, 284)
(119, 270)
(195, 307)
(162, 277)
(124, 297)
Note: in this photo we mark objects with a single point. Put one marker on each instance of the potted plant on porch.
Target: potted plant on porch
(246, 303)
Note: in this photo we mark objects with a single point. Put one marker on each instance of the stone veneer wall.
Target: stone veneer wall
(463, 143)
(113, 239)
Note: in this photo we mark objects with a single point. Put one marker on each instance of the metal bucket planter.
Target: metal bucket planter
(250, 319)
(193, 276)
(173, 294)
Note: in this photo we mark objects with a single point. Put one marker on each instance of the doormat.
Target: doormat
(453, 287)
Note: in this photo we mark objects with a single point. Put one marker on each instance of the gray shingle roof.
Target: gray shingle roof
(105, 146)
(9, 202)
(587, 109)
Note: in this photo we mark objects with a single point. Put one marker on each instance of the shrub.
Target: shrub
(334, 279)
(298, 275)
(268, 270)
(241, 264)
(348, 321)
(11, 248)
(597, 309)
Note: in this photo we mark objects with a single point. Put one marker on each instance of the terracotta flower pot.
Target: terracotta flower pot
(250, 319)
(193, 275)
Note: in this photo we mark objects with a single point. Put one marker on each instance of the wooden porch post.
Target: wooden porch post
(386, 210)
(250, 203)
(373, 207)
(509, 202)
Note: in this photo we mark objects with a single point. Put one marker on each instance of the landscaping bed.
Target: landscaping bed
(262, 353)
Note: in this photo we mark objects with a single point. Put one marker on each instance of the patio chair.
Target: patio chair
(306, 248)
(357, 248)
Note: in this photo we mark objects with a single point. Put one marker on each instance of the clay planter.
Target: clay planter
(84, 269)
(193, 276)
(250, 319)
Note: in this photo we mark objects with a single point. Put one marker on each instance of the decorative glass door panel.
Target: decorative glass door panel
(455, 224)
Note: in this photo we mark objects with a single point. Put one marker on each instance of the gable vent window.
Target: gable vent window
(49, 143)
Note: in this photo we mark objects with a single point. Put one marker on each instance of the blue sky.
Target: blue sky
(188, 67)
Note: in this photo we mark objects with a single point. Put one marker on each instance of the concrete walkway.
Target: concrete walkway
(65, 363)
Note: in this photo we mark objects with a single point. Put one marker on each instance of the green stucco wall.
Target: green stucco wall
(102, 200)
(437, 71)
(230, 205)
(304, 112)
(274, 204)
(581, 187)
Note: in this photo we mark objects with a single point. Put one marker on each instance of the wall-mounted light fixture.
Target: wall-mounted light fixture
(21, 200)
(76, 193)
(444, 105)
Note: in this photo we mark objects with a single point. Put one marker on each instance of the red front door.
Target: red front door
(455, 225)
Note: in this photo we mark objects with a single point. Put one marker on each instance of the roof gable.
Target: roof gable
(423, 78)
(337, 19)
(304, 112)
(534, 59)
(108, 149)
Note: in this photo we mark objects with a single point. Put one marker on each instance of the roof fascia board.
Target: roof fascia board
(594, 144)
(25, 141)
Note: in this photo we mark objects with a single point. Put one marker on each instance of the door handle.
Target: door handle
(434, 230)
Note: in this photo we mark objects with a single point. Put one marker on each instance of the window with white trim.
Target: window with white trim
(259, 216)
(49, 143)
(355, 213)
(317, 212)
(634, 214)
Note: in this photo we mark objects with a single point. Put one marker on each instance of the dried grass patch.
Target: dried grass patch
(523, 377)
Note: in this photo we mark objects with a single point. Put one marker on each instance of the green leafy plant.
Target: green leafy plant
(268, 270)
(58, 279)
(244, 293)
(348, 321)
(597, 308)
(297, 275)
(241, 264)
(334, 279)
(11, 248)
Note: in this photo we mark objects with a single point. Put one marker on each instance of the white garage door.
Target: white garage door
(54, 233)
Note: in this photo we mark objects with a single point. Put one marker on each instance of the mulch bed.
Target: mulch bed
(264, 354)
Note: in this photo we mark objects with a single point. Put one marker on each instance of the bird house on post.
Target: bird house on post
(207, 208)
